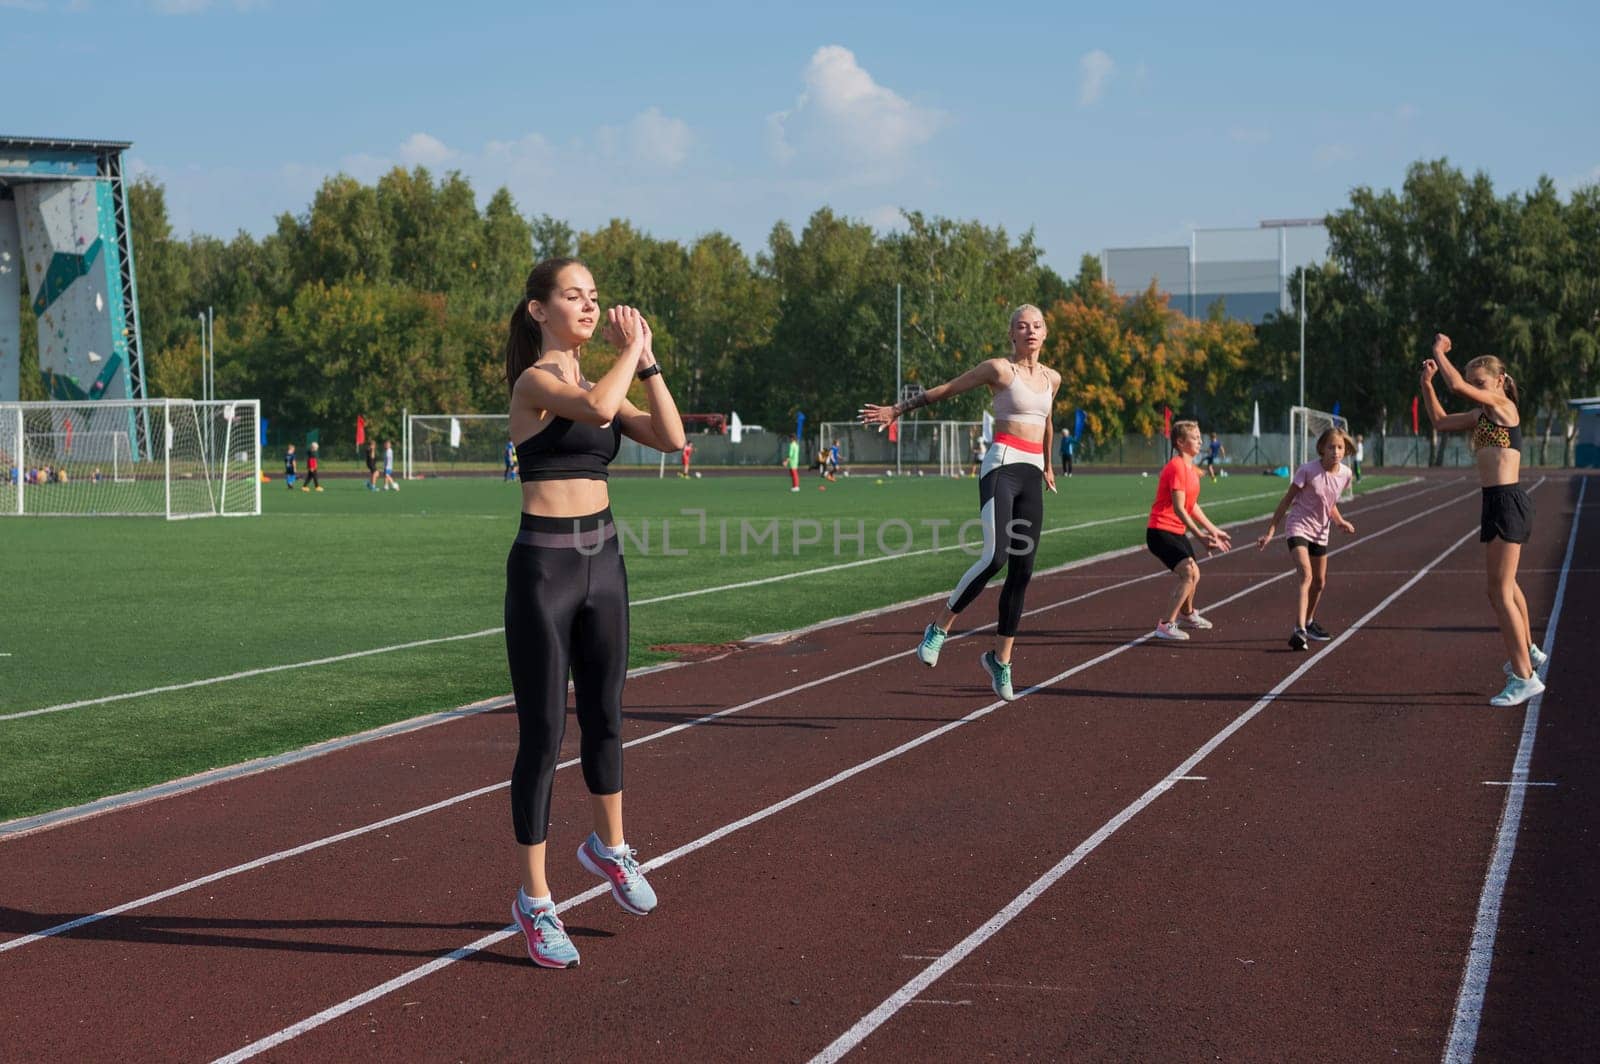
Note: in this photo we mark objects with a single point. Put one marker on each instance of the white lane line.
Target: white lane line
(482, 633)
(1463, 1041)
(896, 1001)
(273, 858)
(1515, 783)
(488, 941)
(1199, 778)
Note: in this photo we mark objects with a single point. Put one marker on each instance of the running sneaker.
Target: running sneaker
(1535, 655)
(1317, 632)
(933, 638)
(548, 943)
(1518, 691)
(1194, 620)
(1297, 639)
(1170, 631)
(628, 884)
(999, 675)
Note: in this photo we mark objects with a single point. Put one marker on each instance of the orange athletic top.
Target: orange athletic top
(1181, 475)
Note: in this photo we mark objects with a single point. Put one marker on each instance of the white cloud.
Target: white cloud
(845, 119)
(421, 149)
(196, 7)
(1328, 154)
(1095, 68)
(884, 218)
(1406, 112)
(651, 139)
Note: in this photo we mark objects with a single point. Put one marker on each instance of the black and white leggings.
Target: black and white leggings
(1011, 494)
(566, 611)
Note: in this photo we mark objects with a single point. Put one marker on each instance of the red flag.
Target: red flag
(1414, 430)
(361, 430)
(894, 431)
(1166, 421)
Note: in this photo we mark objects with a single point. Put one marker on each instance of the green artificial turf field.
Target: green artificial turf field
(104, 607)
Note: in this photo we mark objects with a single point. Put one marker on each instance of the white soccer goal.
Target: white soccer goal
(1305, 425)
(944, 447)
(435, 444)
(170, 458)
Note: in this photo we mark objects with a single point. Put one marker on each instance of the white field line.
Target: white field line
(796, 575)
(1463, 1041)
(489, 940)
(56, 818)
(317, 844)
(911, 990)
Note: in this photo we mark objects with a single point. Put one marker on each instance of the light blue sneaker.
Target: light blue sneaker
(999, 675)
(1535, 655)
(628, 884)
(548, 943)
(1518, 691)
(933, 638)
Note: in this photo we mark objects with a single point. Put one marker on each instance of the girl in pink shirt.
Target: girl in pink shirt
(1312, 504)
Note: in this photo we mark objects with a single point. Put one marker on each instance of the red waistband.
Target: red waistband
(1019, 443)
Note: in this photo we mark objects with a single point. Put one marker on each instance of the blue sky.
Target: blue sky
(1095, 125)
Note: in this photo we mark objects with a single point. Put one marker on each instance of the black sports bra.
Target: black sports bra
(1487, 434)
(569, 450)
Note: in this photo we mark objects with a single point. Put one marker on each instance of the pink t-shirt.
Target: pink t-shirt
(1310, 515)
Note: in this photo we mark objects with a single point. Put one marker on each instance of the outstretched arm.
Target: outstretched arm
(984, 373)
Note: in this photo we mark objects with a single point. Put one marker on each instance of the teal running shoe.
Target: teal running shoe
(548, 944)
(933, 638)
(999, 675)
(627, 883)
(1518, 690)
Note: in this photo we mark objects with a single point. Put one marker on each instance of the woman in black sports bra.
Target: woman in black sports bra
(566, 589)
(1507, 521)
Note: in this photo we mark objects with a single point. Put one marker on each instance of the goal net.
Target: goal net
(1305, 427)
(451, 444)
(170, 458)
(942, 448)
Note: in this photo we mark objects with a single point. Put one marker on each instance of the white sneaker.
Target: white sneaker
(1518, 691)
(1194, 620)
(1170, 631)
(794, 489)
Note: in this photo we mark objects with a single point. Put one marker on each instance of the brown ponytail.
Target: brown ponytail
(523, 339)
(1498, 368)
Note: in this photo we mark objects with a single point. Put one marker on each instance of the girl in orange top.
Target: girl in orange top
(1176, 513)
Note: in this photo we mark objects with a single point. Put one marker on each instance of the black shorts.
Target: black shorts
(1507, 514)
(1209, 460)
(1171, 547)
(1316, 550)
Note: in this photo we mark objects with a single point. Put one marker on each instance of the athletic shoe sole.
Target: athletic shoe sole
(1319, 638)
(523, 921)
(1177, 635)
(616, 891)
(1528, 694)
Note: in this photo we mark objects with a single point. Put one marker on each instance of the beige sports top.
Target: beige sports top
(1018, 402)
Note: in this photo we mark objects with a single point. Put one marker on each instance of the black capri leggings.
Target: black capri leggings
(566, 610)
(1012, 500)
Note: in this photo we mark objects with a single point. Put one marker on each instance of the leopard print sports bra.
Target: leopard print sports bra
(1487, 434)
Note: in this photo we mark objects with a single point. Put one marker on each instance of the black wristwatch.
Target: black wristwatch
(650, 371)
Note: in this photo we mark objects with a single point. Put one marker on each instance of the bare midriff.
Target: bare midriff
(564, 498)
(1498, 466)
(1032, 431)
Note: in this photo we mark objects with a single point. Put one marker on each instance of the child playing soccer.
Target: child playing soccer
(290, 473)
(388, 467)
(1312, 506)
(1175, 514)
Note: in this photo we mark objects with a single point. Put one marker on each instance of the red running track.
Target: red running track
(1311, 894)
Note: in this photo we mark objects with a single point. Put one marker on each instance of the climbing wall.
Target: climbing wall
(69, 250)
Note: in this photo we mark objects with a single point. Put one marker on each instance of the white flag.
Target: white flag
(735, 428)
(1255, 422)
(988, 428)
(455, 432)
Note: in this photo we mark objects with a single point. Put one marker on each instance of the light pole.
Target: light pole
(1302, 336)
(898, 435)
